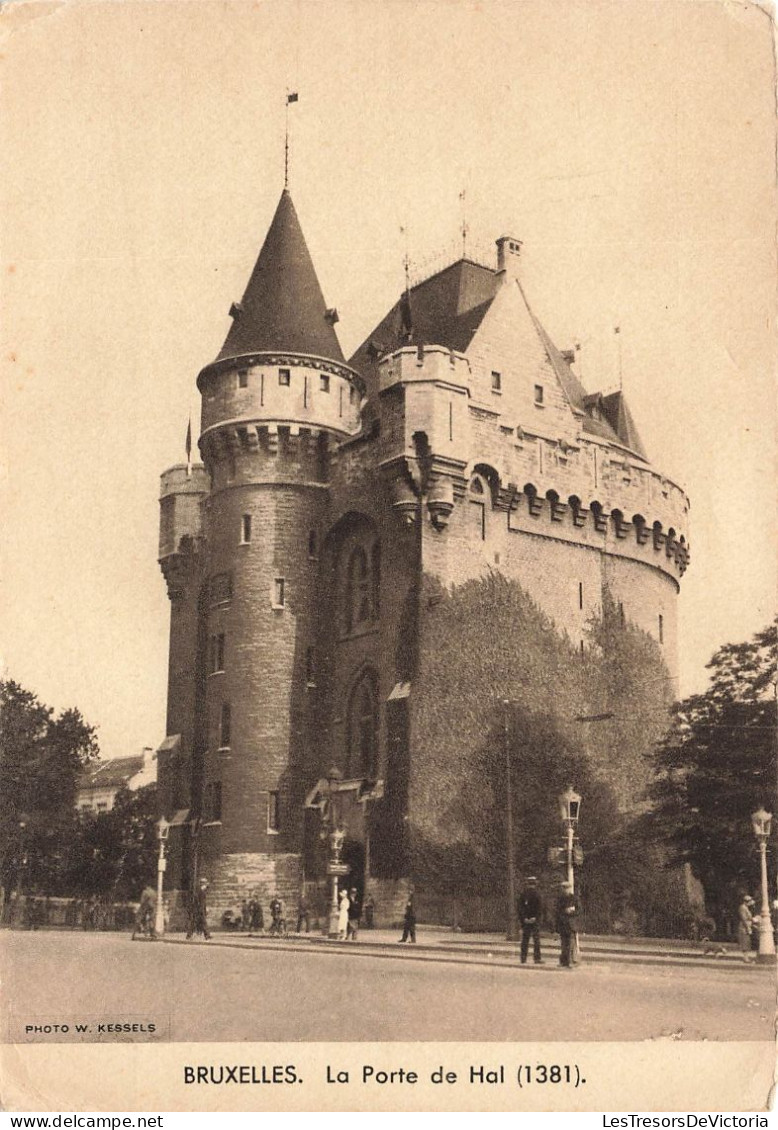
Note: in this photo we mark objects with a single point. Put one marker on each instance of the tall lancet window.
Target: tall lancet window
(363, 727)
(361, 587)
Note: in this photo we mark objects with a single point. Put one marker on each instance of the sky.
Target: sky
(630, 146)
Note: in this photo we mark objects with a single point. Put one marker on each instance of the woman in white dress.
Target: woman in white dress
(343, 915)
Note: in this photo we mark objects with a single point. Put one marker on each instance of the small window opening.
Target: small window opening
(245, 529)
(538, 394)
(225, 726)
(243, 378)
(279, 592)
(324, 382)
(313, 545)
(496, 381)
(285, 377)
(217, 653)
(273, 812)
(661, 628)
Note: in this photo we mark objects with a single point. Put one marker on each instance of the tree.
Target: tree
(113, 854)
(715, 767)
(41, 757)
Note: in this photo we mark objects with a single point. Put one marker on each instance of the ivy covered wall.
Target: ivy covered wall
(497, 684)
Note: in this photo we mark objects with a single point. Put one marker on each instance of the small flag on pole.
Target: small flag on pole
(189, 448)
(291, 97)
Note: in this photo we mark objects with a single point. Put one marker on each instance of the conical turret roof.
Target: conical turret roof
(283, 307)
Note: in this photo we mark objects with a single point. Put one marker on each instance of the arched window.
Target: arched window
(478, 495)
(361, 594)
(363, 727)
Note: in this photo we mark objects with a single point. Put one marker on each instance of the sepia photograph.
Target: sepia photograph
(388, 683)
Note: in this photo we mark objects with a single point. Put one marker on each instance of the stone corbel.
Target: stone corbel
(558, 510)
(440, 502)
(601, 520)
(622, 526)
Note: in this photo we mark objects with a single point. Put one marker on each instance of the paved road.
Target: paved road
(216, 993)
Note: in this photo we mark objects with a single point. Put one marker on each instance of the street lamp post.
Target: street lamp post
(570, 807)
(760, 822)
(335, 839)
(509, 844)
(163, 829)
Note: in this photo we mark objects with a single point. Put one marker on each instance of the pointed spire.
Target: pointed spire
(283, 306)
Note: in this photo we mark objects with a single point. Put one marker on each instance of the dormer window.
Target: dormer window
(285, 377)
(539, 395)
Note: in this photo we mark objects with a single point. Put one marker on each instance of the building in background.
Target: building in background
(312, 557)
(97, 788)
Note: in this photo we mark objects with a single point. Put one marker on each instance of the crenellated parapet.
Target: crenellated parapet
(290, 389)
(435, 435)
(251, 451)
(183, 490)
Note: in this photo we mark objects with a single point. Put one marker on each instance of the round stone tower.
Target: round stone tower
(273, 402)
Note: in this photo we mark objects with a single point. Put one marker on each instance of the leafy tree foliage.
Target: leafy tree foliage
(41, 756)
(485, 644)
(113, 854)
(715, 767)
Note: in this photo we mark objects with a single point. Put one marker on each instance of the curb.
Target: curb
(489, 959)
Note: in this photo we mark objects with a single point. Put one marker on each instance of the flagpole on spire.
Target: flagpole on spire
(405, 302)
(291, 96)
(617, 332)
(464, 229)
(189, 448)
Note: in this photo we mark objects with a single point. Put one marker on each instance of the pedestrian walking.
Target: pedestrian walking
(343, 916)
(198, 911)
(566, 923)
(145, 918)
(256, 917)
(409, 921)
(368, 908)
(354, 915)
(745, 926)
(530, 909)
(277, 919)
(303, 914)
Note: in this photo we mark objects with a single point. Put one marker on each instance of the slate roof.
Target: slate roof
(448, 308)
(283, 307)
(111, 774)
(617, 413)
(445, 310)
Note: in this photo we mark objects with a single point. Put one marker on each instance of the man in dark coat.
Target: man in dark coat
(566, 921)
(198, 912)
(409, 921)
(530, 909)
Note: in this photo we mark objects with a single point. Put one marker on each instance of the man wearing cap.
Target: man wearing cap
(530, 909)
(566, 921)
(745, 920)
(198, 913)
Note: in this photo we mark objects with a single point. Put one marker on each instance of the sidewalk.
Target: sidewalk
(437, 943)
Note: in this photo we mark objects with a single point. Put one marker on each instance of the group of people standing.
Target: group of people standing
(530, 913)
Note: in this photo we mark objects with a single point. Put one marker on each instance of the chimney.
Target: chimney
(508, 254)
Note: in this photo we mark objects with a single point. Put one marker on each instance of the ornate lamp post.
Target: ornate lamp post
(569, 808)
(335, 838)
(163, 828)
(760, 822)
